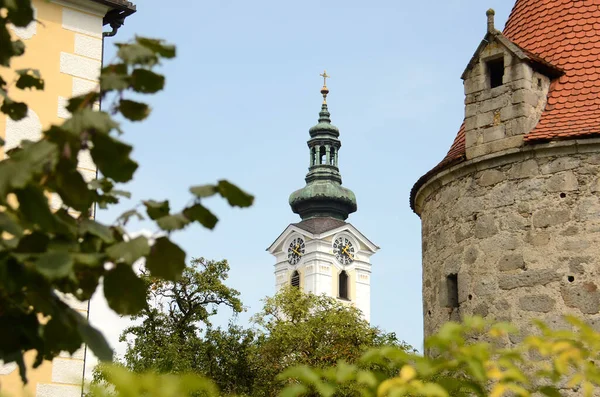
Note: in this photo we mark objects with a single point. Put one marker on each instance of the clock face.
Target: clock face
(295, 250)
(343, 250)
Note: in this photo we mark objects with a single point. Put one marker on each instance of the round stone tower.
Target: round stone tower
(511, 216)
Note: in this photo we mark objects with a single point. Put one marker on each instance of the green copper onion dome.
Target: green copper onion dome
(323, 195)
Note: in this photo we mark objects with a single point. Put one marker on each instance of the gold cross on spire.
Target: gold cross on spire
(325, 76)
(324, 90)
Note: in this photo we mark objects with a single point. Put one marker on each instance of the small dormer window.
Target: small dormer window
(495, 69)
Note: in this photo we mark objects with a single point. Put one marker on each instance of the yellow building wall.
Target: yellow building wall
(66, 47)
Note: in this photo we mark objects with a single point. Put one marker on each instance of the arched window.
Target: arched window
(295, 281)
(332, 156)
(323, 155)
(343, 285)
(313, 159)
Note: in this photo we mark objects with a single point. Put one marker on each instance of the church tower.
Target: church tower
(511, 216)
(323, 254)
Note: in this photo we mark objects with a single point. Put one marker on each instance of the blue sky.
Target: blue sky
(242, 94)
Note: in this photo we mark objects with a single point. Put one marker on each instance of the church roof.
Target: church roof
(319, 225)
(564, 33)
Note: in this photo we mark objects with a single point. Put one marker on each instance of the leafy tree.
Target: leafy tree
(45, 254)
(313, 330)
(174, 333)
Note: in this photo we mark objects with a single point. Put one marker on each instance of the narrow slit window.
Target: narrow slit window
(452, 290)
(323, 155)
(496, 72)
(343, 285)
(295, 281)
(332, 156)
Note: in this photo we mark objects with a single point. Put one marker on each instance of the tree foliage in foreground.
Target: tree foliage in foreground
(173, 333)
(472, 359)
(47, 253)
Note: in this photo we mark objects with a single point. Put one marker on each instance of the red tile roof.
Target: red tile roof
(565, 33)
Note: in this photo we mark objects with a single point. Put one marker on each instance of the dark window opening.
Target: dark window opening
(295, 279)
(496, 72)
(452, 288)
(313, 153)
(332, 156)
(343, 285)
(322, 155)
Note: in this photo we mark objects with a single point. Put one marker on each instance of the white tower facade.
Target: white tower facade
(323, 254)
(322, 267)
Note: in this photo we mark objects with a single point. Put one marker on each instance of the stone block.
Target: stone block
(525, 169)
(506, 143)
(560, 164)
(514, 111)
(493, 103)
(537, 303)
(471, 254)
(481, 310)
(583, 296)
(67, 371)
(521, 70)
(510, 262)
(485, 226)
(484, 119)
(531, 189)
(490, 177)
(562, 182)
(472, 138)
(537, 239)
(485, 285)
(470, 123)
(521, 83)
(48, 390)
(550, 217)
(474, 84)
(464, 286)
(528, 278)
(493, 133)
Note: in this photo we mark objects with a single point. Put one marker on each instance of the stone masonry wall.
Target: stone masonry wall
(523, 239)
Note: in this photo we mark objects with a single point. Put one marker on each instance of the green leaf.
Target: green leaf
(94, 339)
(134, 111)
(124, 217)
(33, 204)
(29, 78)
(157, 209)
(294, 390)
(124, 291)
(112, 158)
(15, 110)
(97, 229)
(55, 264)
(10, 224)
(20, 12)
(199, 213)
(81, 102)
(73, 189)
(129, 251)
(166, 259)
(17, 171)
(157, 46)
(550, 391)
(135, 54)
(202, 191)
(146, 81)
(88, 119)
(114, 77)
(234, 195)
(172, 222)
